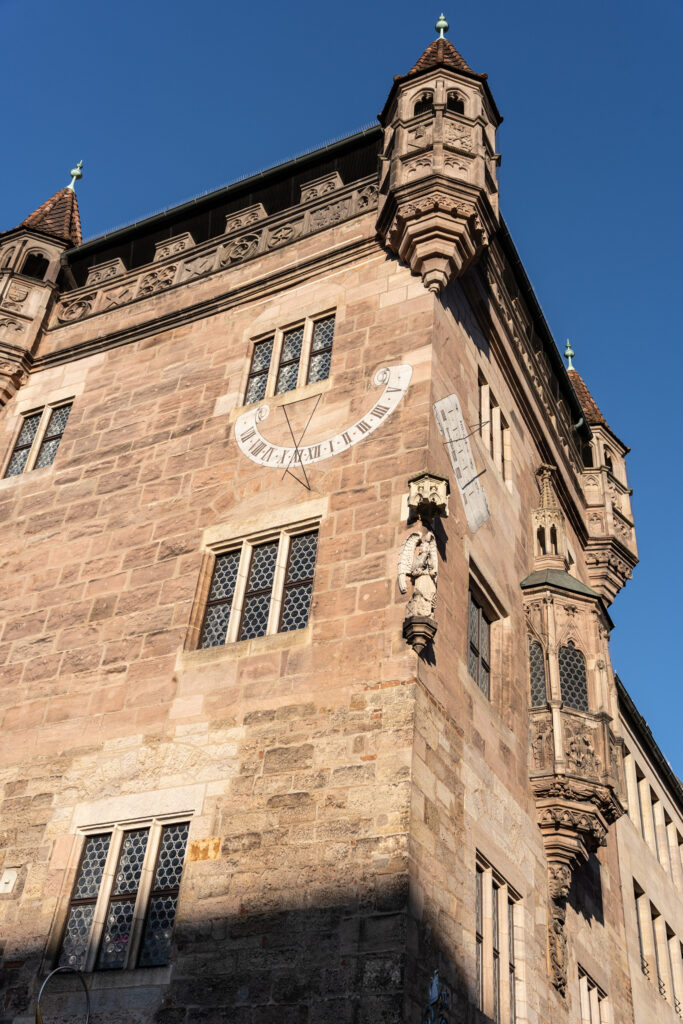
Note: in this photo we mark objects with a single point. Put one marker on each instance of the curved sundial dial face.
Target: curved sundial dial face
(252, 443)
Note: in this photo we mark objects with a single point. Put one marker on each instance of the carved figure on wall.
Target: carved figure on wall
(579, 750)
(418, 561)
(559, 882)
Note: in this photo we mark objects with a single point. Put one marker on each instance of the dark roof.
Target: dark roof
(442, 53)
(557, 578)
(58, 216)
(644, 734)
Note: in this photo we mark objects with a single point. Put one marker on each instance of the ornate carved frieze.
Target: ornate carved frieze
(611, 551)
(10, 326)
(251, 233)
(321, 186)
(106, 271)
(173, 246)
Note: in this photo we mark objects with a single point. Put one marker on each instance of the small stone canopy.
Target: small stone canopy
(58, 217)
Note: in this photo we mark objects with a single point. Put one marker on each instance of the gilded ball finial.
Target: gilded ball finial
(441, 25)
(76, 173)
(569, 354)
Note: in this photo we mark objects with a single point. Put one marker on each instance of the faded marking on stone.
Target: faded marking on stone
(451, 424)
(204, 849)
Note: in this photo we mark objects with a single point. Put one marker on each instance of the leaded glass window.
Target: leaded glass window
(115, 920)
(573, 685)
(290, 354)
(270, 594)
(537, 674)
(39, 439)
(479, 646)
(321, 349)
(258, 374)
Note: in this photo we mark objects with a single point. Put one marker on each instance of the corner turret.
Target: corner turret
(439, 190)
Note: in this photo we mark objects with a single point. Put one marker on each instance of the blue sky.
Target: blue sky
(163, 101)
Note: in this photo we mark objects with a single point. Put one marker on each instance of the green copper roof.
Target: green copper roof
(557, 578)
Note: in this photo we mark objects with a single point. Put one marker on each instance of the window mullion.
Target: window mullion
(487, 936)
(144, 890)
(38, 439)
(305, 352)
(277, 592)
(274, 363)
(503, 953)
(102, 904)
(238, 597)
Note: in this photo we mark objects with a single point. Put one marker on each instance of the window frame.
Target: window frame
(498, 952)
(284, 536)
(117, 830)
(278, 337)
(494, 431)
(593, 1000)
(482, 613)
(39, 438)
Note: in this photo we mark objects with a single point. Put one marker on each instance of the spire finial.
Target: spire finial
(441, 25)
(569, 355)
(76, 173)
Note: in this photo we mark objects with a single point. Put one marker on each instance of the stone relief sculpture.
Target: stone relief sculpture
(418, 562)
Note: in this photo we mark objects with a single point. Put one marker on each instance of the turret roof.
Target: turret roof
(588, 403)
(58, 216)
(442, 52)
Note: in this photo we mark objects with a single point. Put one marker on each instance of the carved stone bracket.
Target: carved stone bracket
(428, 496)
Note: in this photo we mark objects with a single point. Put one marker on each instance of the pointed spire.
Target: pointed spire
(548, 496)
(58, 216)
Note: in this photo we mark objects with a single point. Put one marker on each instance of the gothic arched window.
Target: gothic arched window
(573, 685)
(35, 265)
(454, 102)
(587, 455)
(608, 460)
(537, 674)
(425, 103)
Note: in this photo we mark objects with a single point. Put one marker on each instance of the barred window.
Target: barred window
(38, 439)
(124, 899)
(496, 941)
(479, 646)
(290, 358)
(260, 588)
(537, 674)
(573, 685)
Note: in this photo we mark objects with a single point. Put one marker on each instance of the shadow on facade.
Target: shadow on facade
(585, 895)
(360, 962)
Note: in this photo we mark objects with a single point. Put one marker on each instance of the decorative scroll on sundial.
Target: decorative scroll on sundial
(257, 448)
(449, 420)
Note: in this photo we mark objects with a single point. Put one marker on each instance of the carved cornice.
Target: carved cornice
(178, 262)
(269, 283)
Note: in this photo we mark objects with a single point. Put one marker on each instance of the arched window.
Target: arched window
(553, 540)
(608, 460)
(573, 686)
(540, 537)
(537, 674)
(35, 265)
(425, 102)
(8, 257)
(454, 102)
(587, 454)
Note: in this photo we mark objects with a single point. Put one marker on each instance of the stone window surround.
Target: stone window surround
(497, 617)
(278, 334)
(155, 824)
(494, 885)
(494, 431)
(661, 953)
(46, 411)
(265, 526)
(647, 815)
(595, 1008)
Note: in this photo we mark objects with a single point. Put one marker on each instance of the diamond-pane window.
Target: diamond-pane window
(133, 925)
(258, 374)
(573, 685)
(321, 349)
(271, 595)
(38, 439)
(291, 358)
(479, 646)
(537, 674)
(288, 373)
